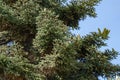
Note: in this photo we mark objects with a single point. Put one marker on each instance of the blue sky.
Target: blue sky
(108, 16)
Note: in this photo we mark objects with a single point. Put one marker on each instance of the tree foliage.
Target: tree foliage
(43, 48)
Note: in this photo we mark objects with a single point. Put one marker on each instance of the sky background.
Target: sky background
(108, 16)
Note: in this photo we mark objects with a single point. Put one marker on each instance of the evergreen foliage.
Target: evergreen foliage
(43, 48)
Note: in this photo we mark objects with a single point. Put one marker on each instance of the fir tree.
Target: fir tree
(43, 48)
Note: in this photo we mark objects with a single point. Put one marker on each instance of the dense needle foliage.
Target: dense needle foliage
(36, 42)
